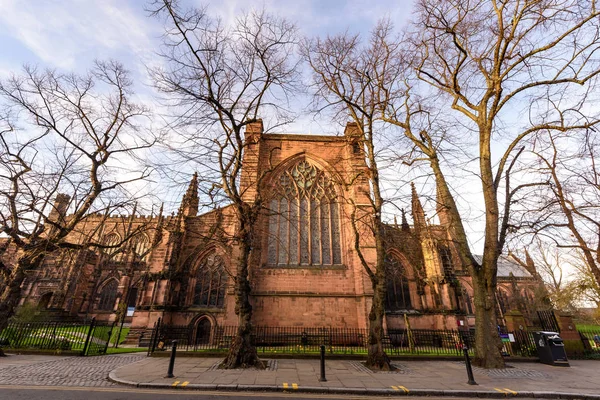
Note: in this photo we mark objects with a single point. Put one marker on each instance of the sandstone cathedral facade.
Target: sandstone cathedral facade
(304, 268)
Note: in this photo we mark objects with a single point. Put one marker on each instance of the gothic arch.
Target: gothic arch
(203, 327)
(503, 299)
(400, 275)
(318, 162)
(304, 218)
(209, 280)
(107, 294)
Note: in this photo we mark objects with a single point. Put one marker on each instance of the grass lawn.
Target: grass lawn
(121, 350)
(115, 332)
(585, 327)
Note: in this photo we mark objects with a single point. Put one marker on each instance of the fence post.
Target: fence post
(151, 340)
(172, 360)
(87, 339)
(469, 369)
(156, 334)
(322, 378)
(112, 327)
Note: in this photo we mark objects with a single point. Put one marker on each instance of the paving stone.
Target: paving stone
(66, 371)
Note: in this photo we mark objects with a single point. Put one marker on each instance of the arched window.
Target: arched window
(140, 245)
(446, 257)
(108, 296)
(468, 302)
(304, 226)
(211, 282)
(111, 239)
(503, 301)
(398, 291)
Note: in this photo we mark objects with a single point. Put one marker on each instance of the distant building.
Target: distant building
(304, 270)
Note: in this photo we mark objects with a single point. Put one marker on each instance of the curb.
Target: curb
(112, 376)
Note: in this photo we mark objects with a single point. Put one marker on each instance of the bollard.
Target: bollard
(469, 369)
(172, 360)
(322, 378)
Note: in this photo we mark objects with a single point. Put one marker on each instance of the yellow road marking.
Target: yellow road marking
(511, 391)
(395, 387)
(285, 385)
(185, 383)
(500, 390)
(295, 386)
(175, 383)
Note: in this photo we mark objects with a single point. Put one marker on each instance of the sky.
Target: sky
(68, 35)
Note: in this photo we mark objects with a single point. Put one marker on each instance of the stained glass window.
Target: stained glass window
(211, 282)
(304, 219)
(468, 302)
(446, 257)
(112, 239)
(108, 296)
(503, 301)
(398, 290)
(141, 245)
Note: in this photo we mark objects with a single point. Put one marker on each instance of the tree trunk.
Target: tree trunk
(487, 341)
(12, 292)
(242, 353)
(376, 358)
(488, 345)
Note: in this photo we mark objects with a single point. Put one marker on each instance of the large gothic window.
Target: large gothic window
(141, 245)
(112, 239)
(304, 221)
(211, 282)
(398, 290)
(108, 296)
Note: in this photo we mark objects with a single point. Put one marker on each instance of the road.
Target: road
(117, 393)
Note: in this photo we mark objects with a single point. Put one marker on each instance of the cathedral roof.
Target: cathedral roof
(506, 266)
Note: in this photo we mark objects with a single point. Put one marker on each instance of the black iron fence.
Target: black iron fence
(87, 338)
(337, 340)
(591, 341)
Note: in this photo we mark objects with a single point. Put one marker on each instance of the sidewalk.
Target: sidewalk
(434, 378)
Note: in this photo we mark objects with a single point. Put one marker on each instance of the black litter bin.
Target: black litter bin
(550, 348)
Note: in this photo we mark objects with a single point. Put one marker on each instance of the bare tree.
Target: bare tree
(220, 79)
(569, 214)
(77, 135)
(550, 266)
(490, 61)
(351, 78)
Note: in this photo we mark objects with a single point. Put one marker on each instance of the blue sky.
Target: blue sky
(70, 34)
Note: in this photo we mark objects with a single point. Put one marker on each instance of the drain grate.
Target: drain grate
(271, 365)
(360, 367)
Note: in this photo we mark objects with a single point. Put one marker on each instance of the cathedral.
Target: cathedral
(304, 269)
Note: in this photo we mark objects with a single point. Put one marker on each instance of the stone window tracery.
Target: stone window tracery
(211, 282)
(111, 239)
(304, 221)
(141, 244)
(398, 289)
(108, 296)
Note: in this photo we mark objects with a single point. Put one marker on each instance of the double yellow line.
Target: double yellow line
(399, 387)
(506, 391)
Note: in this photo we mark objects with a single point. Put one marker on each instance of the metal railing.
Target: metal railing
(87, 338)
(308, 340)
(591, 341)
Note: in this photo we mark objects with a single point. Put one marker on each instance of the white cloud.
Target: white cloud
(60, 33)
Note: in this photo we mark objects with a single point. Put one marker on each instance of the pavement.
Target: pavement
(419, 378)
(71, 371)
(289, 376)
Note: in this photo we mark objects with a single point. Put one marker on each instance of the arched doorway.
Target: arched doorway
(45, 300)
(203, 331)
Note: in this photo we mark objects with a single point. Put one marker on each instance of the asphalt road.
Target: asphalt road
(76, 393)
